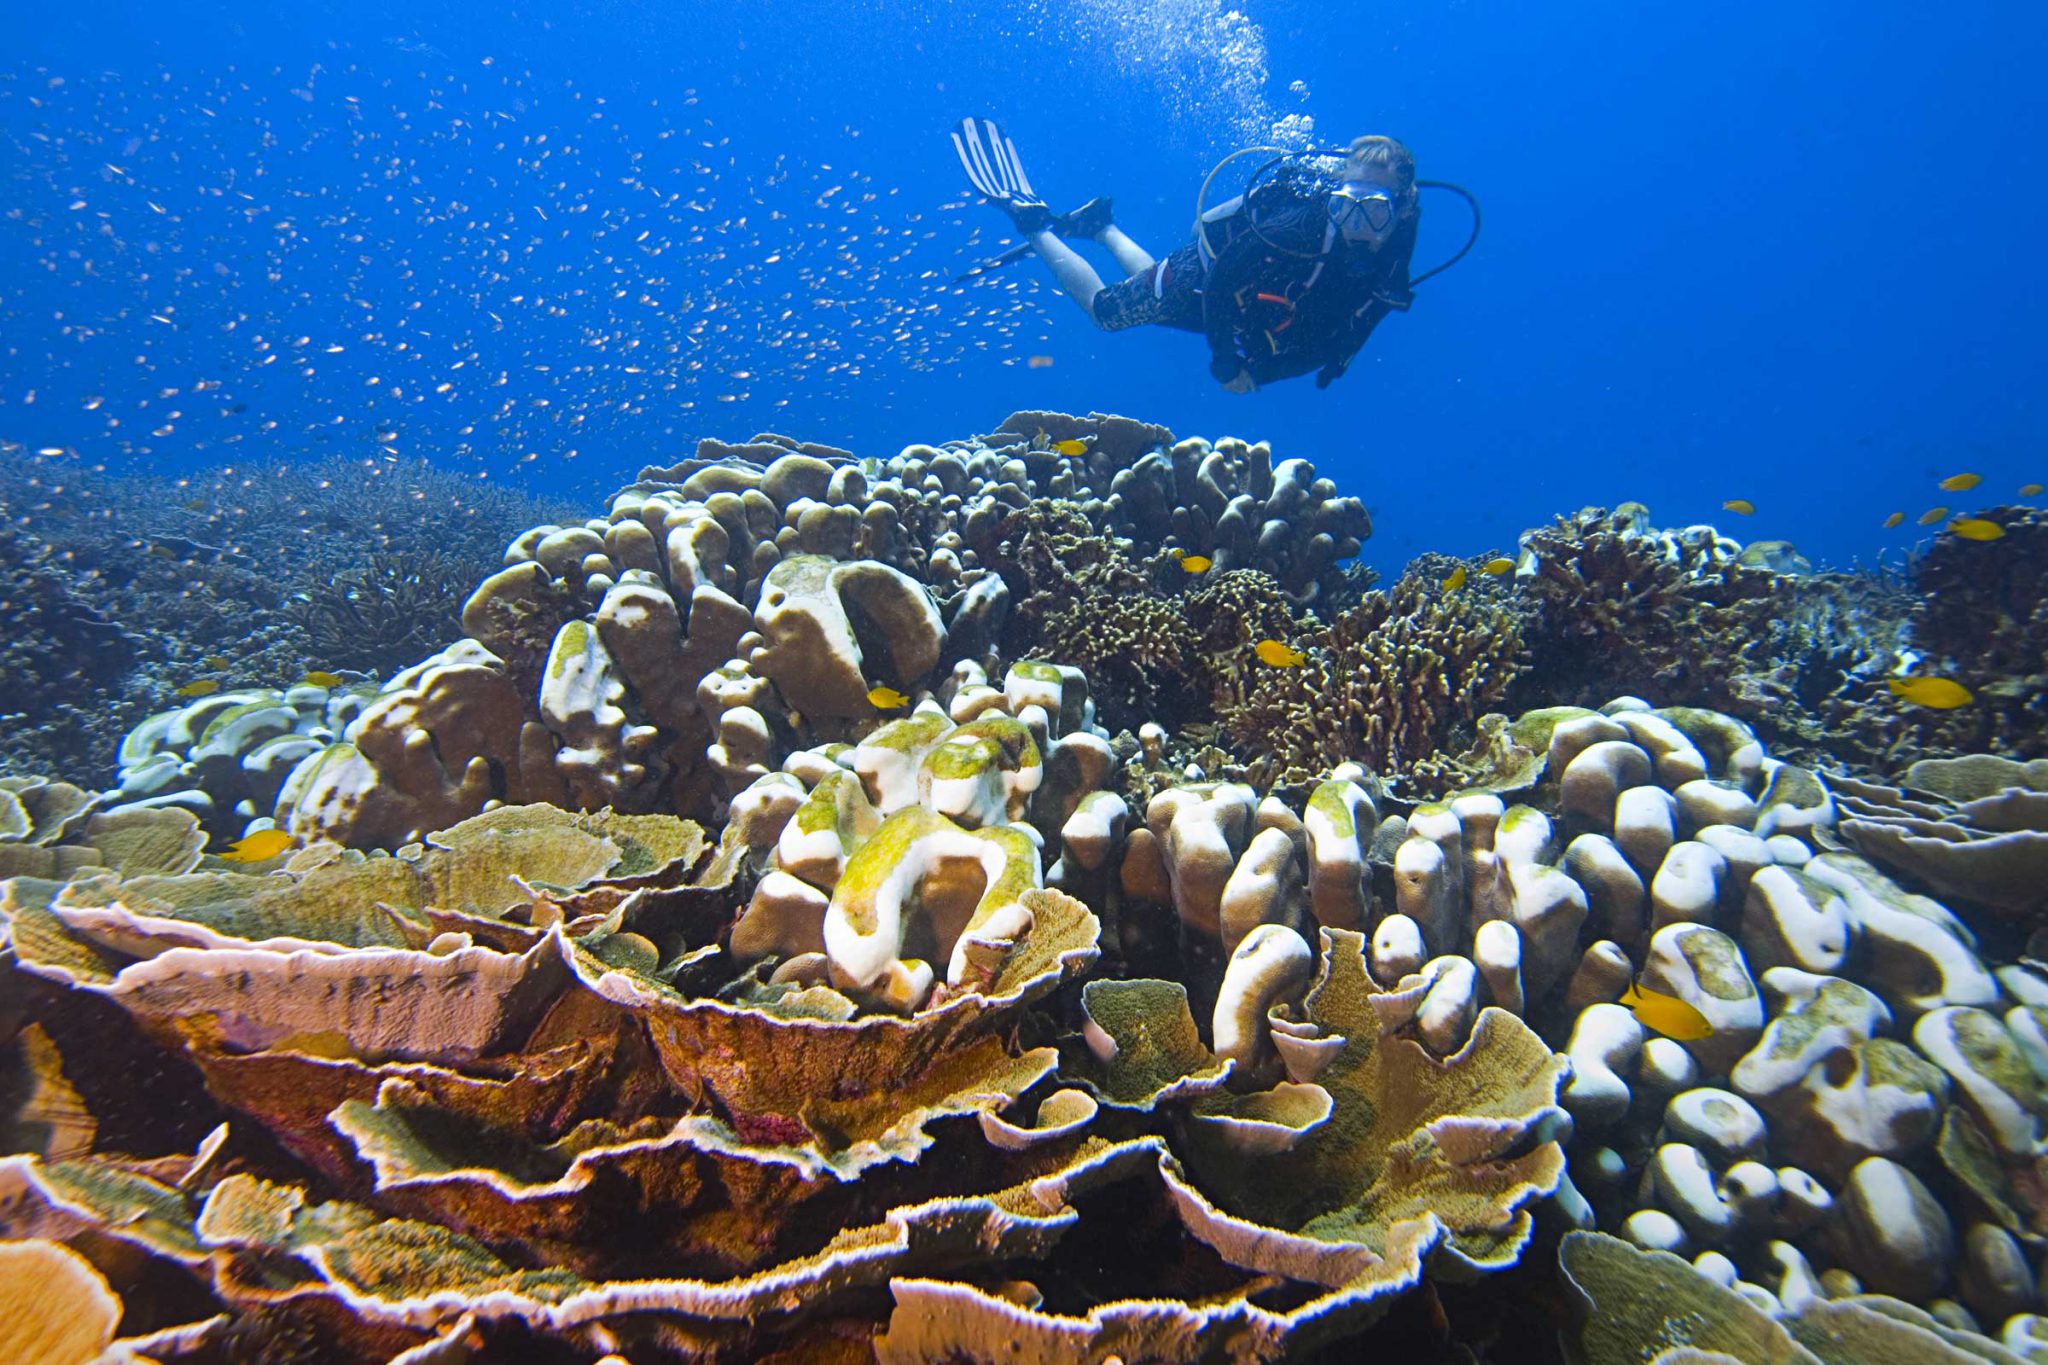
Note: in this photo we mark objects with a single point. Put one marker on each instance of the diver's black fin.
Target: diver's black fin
(1085, 221)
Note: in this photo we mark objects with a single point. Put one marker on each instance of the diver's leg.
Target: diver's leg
(1075, 275)
(1130, 257)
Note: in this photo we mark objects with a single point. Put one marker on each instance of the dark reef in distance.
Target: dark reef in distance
(117, 590)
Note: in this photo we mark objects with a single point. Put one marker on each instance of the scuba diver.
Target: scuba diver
(1290, 276)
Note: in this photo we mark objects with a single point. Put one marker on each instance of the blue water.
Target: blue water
(1785, 253)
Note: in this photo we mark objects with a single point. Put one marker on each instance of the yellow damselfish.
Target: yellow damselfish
(1070, 446)
(1279, 655)
(205, 687)
(1497, 567)
(1195, 563)
(265, 843)
(1741, 507)
(887, 699)
(1895, 519)
(1932, 515)
(320, 677)
(1939, 694)
(1976, 528)
(216, 661)
(1667, 1014)
(1455, 579)
(1960, 483)
(2031, 490)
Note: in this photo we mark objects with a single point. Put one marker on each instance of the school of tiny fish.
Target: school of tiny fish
(528, 270)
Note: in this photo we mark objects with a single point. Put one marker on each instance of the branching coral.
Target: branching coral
(1982, 618)
(63, 658)
(385, 614)
(1620, 608)
(1388, 684)
(1140, 655)
(1682, 618)
(1158, 643)
(1051, 556)
(119, 589)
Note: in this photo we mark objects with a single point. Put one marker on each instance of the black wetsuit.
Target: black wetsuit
(1289, 298)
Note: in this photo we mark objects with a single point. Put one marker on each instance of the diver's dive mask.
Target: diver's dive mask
(1362, 211)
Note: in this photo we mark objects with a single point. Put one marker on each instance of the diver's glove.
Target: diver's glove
(1330, 374)
(1232, 373)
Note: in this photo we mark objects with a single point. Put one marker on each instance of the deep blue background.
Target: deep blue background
(1782, 252)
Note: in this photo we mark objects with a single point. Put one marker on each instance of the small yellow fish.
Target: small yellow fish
(1039, 362)
(266, 843)
(1455, 580)
(205, 687)
(1976, 528)
(196, 505)
(1896, 519)
(1932, 515)
(887, 699)
(1194, 563)
(1278, 655)
(1938, 694)
(320, 677)
(1497, 567)
(216, 662)
(1070, 447)
(1667, 1014)
(1741, 507)
(1960, 483)
(2031, 490)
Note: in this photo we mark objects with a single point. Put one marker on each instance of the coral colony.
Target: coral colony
(1033, 899)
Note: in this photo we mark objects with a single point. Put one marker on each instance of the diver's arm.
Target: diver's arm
(1390, 293)
(1220, 313)
(1347, 346)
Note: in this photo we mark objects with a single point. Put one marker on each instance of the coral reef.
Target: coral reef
(1974, 829)
(1692, 618)
(448, 1080)
(1392, 683)
(116, 590)
(226, 757)
(917, 909)
(382, 616)
(727, 611)
(1675, 615)
(1983, 617)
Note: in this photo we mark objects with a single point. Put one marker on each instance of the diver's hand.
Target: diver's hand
(1230, 372)
(1329, 375)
